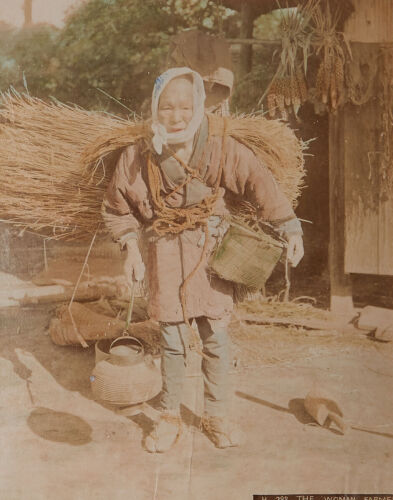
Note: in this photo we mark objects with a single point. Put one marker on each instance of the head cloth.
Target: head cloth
(161, 136)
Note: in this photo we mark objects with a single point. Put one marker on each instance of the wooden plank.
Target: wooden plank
(361, 166)
(385, 241)
(371, 22)
(340, 283)
(312, 323)
(248, 17)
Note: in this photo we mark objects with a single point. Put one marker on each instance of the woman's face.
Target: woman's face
(175, 107)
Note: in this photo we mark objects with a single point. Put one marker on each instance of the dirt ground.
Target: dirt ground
(57, 442)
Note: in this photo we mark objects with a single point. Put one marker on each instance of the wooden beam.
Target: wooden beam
(261, 41)
(330, 323)
(246, 30)
(258, 6)
(340, 283)
(252, 41)
(28, 12)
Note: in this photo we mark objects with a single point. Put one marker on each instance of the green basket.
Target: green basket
(245, 256)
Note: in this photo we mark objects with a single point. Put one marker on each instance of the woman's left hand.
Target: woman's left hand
(295, 249)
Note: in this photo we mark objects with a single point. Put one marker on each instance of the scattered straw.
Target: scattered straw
(275, 308)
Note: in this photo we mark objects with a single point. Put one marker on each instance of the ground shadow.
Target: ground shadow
(189, 417)
(59, 426)
(70, 366)
(296, 408)
(146, 423)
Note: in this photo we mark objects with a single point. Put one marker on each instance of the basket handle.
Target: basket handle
(128, 337)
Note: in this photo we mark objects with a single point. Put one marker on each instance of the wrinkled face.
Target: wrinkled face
(175, 107)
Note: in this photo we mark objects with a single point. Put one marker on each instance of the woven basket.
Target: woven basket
(127, 378)
(245, 256)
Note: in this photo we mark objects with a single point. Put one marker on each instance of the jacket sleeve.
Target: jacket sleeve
(126, 198)
(245, 175)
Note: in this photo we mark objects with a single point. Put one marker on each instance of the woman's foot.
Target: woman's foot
(221, 431)
(166, 432)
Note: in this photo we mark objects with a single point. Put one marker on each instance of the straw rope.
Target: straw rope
(174, 220)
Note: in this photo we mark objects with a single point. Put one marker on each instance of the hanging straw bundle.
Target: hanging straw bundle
(330, 46)
(56, 161)
(288, 89)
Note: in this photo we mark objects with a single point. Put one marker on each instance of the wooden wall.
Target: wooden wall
(368, 204)
(371, 22)
(361, 209)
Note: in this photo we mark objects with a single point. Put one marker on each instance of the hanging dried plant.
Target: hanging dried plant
(331, 48)
(288, 89)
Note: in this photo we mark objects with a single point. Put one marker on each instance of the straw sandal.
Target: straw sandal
(220, 431)
(166, 433)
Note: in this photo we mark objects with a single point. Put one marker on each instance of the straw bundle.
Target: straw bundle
(272, 141)
(275, 144)
(93, 326)
(42, 186)
(56, 161)
(288, 89)
(330, 77)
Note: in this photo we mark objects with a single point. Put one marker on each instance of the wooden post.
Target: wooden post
(28, 10)
(340, 283)
(246, 31)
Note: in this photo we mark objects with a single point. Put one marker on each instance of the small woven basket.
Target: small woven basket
(126, 376)
(246, 256)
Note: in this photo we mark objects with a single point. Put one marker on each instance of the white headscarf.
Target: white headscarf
(161, 136)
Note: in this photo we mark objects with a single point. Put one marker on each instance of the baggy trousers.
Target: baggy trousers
(215, 366)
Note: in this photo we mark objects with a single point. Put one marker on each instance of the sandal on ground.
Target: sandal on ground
(166, 432)
(220, 431)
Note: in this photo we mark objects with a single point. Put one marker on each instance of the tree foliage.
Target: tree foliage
(107, 47)
(116, 48)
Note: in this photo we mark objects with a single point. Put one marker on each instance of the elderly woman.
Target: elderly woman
(163, 196)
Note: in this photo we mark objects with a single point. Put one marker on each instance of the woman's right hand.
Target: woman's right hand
(134, 268)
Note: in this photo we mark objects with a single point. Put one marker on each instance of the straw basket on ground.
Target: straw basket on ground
(123, 374)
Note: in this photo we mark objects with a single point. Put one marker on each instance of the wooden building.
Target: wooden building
(361, 164)
(360, 151)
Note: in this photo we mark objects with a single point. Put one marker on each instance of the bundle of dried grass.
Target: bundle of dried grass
(330, 77)
(273, 307)
(288, 89)
(56, 161)
(273, 141)
(278, 148)
(93, 326)
(42, 186)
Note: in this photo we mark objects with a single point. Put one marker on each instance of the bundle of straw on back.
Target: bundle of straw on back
(272, 141)
(55, 161)
(42, 185)
(278, 148)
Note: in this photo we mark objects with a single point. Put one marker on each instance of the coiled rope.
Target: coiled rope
(174, 220)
